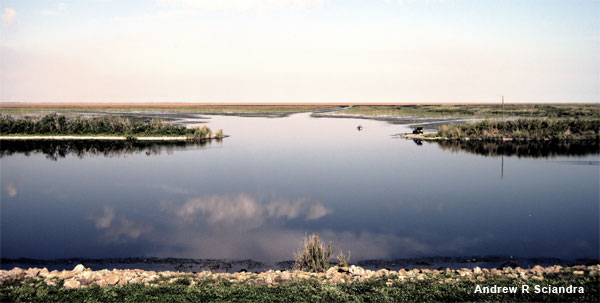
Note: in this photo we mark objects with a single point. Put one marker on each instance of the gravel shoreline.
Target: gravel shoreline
(82, 277)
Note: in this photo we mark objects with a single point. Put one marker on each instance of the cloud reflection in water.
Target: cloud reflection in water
(243, 209)
(11, 189)
(242, 226)
(119, 228)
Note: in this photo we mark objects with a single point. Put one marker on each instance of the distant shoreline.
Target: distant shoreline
(178, 104)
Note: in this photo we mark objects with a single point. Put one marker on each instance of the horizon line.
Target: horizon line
(241, 103)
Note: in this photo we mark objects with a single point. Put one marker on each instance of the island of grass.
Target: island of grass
(59, 127)
(581, 129)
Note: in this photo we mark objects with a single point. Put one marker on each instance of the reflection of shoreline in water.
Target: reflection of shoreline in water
(81, 148)
(530, 149)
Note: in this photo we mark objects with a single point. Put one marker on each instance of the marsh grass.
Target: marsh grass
(23, 109)
(54, 124)
(524, 129)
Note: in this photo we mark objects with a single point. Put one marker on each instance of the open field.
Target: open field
(366, 110)
(338, 284)
(473, 110)
(213, 108)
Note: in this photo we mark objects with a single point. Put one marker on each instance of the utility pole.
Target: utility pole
(502, 167)
(502, 107)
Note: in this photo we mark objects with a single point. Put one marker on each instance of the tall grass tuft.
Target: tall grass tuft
(313, 255)
(343, 260)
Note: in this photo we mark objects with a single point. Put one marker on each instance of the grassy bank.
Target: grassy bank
(523, 129)
(267, 109)
(58, 125)
(476, 110)
(388, 289)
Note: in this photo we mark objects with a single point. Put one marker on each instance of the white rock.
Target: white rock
(331, 272)
(79, 268)
(112, 280)
(71, 283)
(357, 271)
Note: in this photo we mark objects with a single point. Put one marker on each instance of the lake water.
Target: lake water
(255, 194)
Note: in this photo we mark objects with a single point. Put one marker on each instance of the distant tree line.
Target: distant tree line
(525, 129)
(54, 124)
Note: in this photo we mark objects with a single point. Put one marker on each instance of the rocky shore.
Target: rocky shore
(82, 277)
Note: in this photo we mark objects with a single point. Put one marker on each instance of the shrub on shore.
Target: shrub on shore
(314, 255)
(54, 124)
(524, 129)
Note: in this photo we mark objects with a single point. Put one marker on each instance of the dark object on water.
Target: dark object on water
(418, 142)
(359, 127)
(418, 130)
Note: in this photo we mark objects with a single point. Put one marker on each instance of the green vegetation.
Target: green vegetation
(386, 289)
(477, 110)
(267, 109)
(54, 124)
(524, 129)
(313, 255)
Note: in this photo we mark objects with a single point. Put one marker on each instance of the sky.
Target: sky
(300, 50)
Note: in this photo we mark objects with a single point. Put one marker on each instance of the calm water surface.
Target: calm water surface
(257, 193)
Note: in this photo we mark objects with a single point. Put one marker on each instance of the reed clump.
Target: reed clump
(524, 129)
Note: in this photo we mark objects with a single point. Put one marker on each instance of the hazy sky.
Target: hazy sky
(300, 50)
